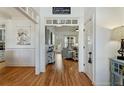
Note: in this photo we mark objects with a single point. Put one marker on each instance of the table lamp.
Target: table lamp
(118, 35)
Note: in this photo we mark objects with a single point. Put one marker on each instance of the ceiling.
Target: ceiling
(10, 12)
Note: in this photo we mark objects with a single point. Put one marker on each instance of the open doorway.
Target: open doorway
(62, 47)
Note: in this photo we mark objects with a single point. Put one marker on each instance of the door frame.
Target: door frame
(80, 40)
(93, 51)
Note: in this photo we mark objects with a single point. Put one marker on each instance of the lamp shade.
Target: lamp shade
(117, 33)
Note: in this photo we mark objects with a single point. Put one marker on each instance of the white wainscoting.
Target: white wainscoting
(20, 57)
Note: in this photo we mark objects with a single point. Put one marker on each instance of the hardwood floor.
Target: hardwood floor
(25, 76)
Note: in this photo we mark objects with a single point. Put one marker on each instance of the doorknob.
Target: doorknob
(90, 58)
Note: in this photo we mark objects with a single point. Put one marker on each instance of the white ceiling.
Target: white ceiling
(10, 12)
(110, 18)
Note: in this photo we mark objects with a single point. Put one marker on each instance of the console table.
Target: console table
(117, 72)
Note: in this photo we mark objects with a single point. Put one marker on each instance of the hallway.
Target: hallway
(69, 76)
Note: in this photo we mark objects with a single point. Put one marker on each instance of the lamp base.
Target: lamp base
(120, 57)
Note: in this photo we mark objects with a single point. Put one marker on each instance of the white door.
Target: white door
(89, 49)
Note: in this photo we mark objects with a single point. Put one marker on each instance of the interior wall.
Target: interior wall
(102, 56)
(19, 55)
(106, 20)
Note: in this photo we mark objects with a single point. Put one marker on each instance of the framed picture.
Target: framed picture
(23, 35)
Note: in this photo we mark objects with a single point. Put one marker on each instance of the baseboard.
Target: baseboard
(103, 84)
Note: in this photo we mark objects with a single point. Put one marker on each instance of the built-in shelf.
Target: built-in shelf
(29, 12)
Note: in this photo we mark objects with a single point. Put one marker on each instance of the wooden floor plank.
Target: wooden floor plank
(25, 76)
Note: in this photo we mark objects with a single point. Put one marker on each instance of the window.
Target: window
(68, 21)
(69, 41)
(48, 21)
(74, 21)
(61, 21)
(55, 21)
